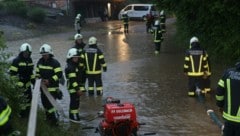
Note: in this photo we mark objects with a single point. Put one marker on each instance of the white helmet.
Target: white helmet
(162, 12)
(156, 23)
(25, 47)
(92, 40)
(46, 49)
(194, 39)
(78, 36)
(78, 16)
(73, 52)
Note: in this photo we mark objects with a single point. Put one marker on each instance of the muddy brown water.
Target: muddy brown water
(155, 84)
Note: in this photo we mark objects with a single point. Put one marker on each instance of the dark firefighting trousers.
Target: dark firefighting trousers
(74, 105)
(231, 129)
(207, 84)
(83, 81)
(125, 28)
(26, 102)
(51, 113)
(97, 79)
(157, 46)
(193, 82)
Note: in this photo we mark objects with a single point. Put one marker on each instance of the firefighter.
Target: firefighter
(93, 60)
(162, 21)
(149, 22)
(79, 45)
(195, 66)
(228, 101)
(5, 116)
(125, 20)
(22, 69)
(157, 32)
(49, 70)
(77, 23)
(73, 75)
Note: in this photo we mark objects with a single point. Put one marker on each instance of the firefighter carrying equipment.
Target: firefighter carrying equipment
(46, 49)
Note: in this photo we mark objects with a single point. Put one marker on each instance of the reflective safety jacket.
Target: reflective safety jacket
(228, 95)
(208, 66)
(93, 60)
(195, 63)
(73, 75)
(22, 69)
(49, 69)
(162, 19)
(125, 19)
(157, 32)
(5, 112)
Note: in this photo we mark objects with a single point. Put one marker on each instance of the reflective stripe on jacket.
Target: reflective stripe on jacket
(228, 95)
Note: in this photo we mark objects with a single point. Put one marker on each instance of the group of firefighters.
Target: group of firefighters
(197, 68)
(88, 62)
(153, 25)
(82, 62)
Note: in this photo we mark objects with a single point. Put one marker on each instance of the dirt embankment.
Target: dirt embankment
(15, 28)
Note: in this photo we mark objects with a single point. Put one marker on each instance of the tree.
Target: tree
(215, 22)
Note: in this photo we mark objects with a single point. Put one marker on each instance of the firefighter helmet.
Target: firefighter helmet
(78, 16)
(25, 47)
(162, 12)
(78, 36)
(194, 39)
(156, 23)
(46, 49)
(92, 40)
(73, 52)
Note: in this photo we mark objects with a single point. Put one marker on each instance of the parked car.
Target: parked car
(138, 11)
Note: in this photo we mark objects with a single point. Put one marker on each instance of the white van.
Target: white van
(138, 11)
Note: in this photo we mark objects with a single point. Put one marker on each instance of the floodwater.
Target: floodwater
(155, 84)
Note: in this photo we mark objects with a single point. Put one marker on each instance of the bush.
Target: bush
(8, 89)
(15, 7)
(37, 15)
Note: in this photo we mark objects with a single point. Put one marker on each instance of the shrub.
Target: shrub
(15, 7)
(37, 15)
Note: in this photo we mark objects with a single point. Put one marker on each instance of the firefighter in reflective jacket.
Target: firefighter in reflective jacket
(5, 113)
(162, 21)
(125, 20)
(157, 32)
(195, 66)
(93, 60)
(73, 75)
(228, 100)
(79, 45)
(22, 69)
(49, 70)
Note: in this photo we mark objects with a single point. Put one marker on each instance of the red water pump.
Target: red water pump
(119, 119)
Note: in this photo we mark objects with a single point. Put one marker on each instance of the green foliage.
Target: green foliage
(37, 15)
(7, 85)
(215, 23)
(15, 7)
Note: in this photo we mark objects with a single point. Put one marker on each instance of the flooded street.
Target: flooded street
(155, 84)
